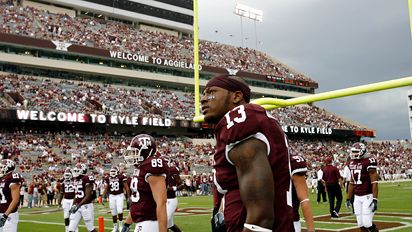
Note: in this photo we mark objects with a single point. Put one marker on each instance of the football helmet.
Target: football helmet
(114, 171)
(357, 151)
(6, 166)
(67, 175)
(141, 147)
(79, 169)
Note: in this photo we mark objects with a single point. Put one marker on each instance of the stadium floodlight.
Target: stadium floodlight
(272, 103)
(250, 13)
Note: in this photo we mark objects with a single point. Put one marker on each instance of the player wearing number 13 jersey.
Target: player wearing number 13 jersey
(364, 184)
(147, 186)
(9, 196)
(251, 159)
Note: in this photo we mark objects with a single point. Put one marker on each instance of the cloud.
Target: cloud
(385, 111)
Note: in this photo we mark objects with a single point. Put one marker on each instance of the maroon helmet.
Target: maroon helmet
(141, 147)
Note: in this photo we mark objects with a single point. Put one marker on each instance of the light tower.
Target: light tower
(250, 13)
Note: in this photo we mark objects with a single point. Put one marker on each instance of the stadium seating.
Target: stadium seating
(115, 36)
(73, 96)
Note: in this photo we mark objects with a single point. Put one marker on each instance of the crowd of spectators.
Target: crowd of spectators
(72, 96)
(116, 36)
(306, 115)
(46, 95)
(50, 153)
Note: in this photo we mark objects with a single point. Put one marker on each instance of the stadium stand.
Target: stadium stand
(115, 36)
(46, 94)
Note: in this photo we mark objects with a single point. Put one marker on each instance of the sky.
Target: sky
(337, 43)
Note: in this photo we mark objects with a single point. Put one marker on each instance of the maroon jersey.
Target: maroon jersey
(359, 169)
(173, 172)
(298, 167)
(116, 184)
(68, 189)
(5, 191)
(331, 175)
(80, 188)
(143, 206)
(243, 122)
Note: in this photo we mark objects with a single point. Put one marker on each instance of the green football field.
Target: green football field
(395, 205)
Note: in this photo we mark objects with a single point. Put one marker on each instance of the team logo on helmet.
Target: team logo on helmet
(6, 166)
(141, 147)
(358, 151)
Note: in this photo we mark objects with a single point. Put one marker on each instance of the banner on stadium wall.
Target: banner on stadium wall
(152, 60)
(307, 130)
(139, 120)
(52, 116)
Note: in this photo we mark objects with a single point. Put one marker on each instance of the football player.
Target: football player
(148, 186)
(9, 194)
(174, 183)
(251, 158)
(364, 187)
(300, 196)
(67, 196)
(116, 185)
(82, 204)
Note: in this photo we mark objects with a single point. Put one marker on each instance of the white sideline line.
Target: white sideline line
(43, 222)
(340, 229)
(56, 223)
(407, 224)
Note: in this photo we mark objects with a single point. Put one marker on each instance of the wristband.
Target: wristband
(375, 199)
(304, 200)
(374, 182)
(174, 188)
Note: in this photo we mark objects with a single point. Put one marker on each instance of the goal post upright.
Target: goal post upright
(196, 57)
